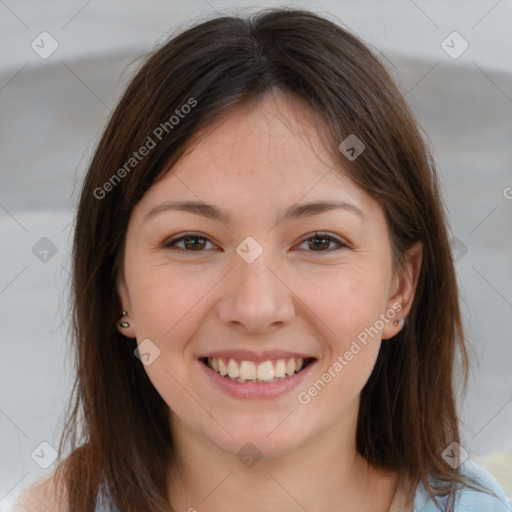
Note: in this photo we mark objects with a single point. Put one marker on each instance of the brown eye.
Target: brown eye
(194, 243)
(320, 242)
(317, 242)
(190, 242)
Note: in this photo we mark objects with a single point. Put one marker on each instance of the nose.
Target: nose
(255, 297)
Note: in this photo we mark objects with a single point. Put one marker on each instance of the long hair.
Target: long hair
(117, 429)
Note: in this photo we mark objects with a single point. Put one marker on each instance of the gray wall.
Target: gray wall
(51, 113)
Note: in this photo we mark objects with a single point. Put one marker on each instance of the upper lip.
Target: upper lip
(257, 357)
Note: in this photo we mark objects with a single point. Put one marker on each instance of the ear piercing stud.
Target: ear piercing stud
(123, 324)
(401, 321)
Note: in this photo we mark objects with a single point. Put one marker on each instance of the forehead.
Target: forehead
(273, 151)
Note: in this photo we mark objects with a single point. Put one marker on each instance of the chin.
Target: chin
(265, 441)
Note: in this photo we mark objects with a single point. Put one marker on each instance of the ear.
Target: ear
(125, 305)
(403, 289)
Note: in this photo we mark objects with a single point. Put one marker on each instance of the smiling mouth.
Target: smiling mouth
(257, 373)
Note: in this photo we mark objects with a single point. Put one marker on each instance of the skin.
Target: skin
(298, 296)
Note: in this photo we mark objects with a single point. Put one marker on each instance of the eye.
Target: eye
(192, 242)
(320, 242)
(196, 242)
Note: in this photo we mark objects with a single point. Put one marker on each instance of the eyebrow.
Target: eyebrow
(212, 212)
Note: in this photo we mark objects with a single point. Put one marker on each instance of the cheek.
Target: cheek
(346, 303)
(349, 306)
(169, 308)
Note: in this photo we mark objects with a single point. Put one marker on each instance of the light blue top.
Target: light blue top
(467, 500)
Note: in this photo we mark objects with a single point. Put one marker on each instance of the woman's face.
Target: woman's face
(253, 283)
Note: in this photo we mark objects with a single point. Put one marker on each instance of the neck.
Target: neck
(321, 474)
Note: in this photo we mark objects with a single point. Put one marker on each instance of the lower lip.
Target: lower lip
(256, 390)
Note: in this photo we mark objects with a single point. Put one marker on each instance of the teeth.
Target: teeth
(266, 371)
(233, 370)
(248, 370)
(280, 368)
(222, 367)
(290, 367)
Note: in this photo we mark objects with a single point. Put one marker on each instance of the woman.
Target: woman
(265, 304)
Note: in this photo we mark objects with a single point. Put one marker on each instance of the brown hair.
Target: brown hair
(118, 427)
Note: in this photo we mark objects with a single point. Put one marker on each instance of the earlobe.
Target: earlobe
(124, 323)
(406, 281)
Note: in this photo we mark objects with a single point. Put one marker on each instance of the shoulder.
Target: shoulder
(468, 499)
(472, 500)
(41, 496)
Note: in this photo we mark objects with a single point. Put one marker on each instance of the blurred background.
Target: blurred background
(64, 66)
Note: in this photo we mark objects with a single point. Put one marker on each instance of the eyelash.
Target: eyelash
(170, 244)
